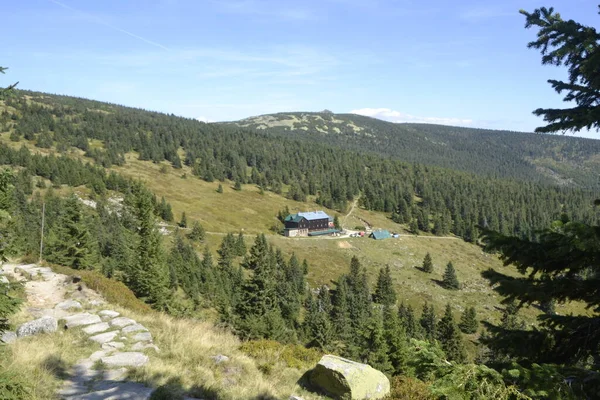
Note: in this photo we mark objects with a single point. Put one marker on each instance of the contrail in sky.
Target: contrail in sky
(101, 22)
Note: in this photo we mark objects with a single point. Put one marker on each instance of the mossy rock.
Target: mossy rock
(348, 380)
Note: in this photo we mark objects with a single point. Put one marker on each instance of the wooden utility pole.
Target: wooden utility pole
(42, 235)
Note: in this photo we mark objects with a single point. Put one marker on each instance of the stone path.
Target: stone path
(56, 300)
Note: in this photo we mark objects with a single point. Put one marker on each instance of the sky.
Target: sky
(462, 63)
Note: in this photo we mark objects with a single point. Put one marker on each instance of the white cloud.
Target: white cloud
(390, 115)
(204, 119)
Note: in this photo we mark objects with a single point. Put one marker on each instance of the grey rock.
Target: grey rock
(99, 354)
(96, 303)
(96, 328)
(8, 337)
(113, 345)
(122, 322)
(104, 337)
(296, 398)
(3, 279)
(342, 378)
(125, 359)
(134, 328)
(113, 390)
(108, 313)
(143, 337)
(220, 358)
(45, 324)
(68, 305)
(81, 319)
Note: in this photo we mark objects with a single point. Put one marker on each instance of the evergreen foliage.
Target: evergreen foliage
(450, 280)
(149, 276)
(427, 264)
(561, 266)
(450, 338)
(453, 202)
(70, 243)
(197, 234)
(577, 47)
(428, 322)
(183, 220)
(8, 304)
(468, 321)
(407, 318)
(385, 294)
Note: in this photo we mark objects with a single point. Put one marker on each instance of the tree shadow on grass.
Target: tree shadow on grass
(439, 282)
(174, 390)
(57, 366)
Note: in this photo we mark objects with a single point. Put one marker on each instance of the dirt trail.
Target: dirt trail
(120, 342)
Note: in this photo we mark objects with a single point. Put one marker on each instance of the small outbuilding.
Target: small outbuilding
(380, 235)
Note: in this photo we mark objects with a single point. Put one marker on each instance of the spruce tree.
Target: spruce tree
(450, 280)
(237, 186)
(560, 265)
(69, 241)
(395, 337)
(414, 226)
(450, 337)
(384, 291)
(317, 324)
(183, 221)
(575, 46)
(240, 245)
(427, 264)
(8, 304)
(149, 278)
(468, 321)
(428, 322)
(197, 234)
(407, 318)
(336, 222)
(377, 347)
(258, 293)
(340, 313)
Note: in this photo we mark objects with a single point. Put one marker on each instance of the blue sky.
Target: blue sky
(452, 62)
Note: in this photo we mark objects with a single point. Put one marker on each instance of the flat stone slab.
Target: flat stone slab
(126, 359)
(69, 305)
(99, 354)
(45, 324)
(111, 390)
(96, 328)
(134, 328)
(143, 337)
(81, 319)
(109, 313)
(113, 345)
(122, 322)
(139, 346)
(104, 337)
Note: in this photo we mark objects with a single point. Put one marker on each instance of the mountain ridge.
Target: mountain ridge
(553, 159)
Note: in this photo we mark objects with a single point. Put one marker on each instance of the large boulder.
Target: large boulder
(42, 325)
(348, 380)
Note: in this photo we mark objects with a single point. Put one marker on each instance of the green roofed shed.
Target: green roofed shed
(380, 235)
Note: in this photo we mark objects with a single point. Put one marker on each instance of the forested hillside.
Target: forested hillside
(427, 198)
(547, 158)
